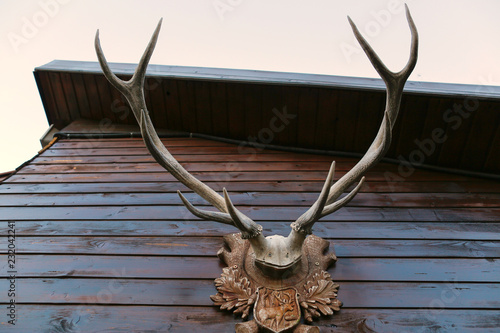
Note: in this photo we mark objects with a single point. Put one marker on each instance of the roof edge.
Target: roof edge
(270, 77)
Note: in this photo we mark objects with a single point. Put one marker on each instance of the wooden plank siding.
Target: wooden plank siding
(103, 243)
(434, 127)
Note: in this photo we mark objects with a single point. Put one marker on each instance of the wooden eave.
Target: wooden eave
(332, 112)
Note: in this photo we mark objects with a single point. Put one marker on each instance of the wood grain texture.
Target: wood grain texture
(103, 243)
(138, 319)
(339, 229)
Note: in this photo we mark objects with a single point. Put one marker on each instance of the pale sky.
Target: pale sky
(459, 43)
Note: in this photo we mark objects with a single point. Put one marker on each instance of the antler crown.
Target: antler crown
(274, 253)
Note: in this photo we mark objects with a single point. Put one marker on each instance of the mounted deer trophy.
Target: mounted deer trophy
(274, 275)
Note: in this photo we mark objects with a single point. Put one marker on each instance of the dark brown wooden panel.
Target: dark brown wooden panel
(346, 119)
(203, 107)
(63, 110)
(70, 95)
(199, 166)
(139, 319)
(252, 120)
(162, 267)
(144, 151)
(219, 109)
(353, 116)
(172, 104)
(49, 100)
(324, 135)
(134, 143)
(185, 89)
(196, 246)
(257, 213)
(493, 159)
(156, 104)
(370, 113)
(413, 118)
(197, 293)
(235, 94)
(81, 96)
(93, 97)
(411, 200)
(340, 230)
(456, 128)
(251, 155)
(306, 117)
(218, 176)
(481, 137)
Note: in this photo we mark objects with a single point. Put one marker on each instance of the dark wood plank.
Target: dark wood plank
(48, 98)
(412, 200)
(139, 319)
(257, 213)
(369, 116)
(252, 123)
(476, 270)
(106, 100)
(187, 107)
(243, 165)
(244, 153)
(456, 129)
(270, 186)
(172, 104)
(492, 162)
(204, 116)
(70, 95)
(340, 230)
(81, 96)
(347, 117)
(291, 105)
(273, 110)
(413, 116)
(156, 102)
(59, 98)
(433, 135)
(324, 136)
(236, 110)
(92, 96)
(481, 136)
(219, 108)
(197, 293)
(234, 174)
(137, 143)
(306, 118)
(196, 246)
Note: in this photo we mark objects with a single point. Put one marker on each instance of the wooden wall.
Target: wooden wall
(104, 245)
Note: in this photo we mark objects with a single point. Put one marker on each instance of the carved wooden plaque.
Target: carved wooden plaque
(278, 303)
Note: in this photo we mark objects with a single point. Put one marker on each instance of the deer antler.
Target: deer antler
(274, 253)
(133, 90)
(394, 85)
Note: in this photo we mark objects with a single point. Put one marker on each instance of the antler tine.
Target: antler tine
(394, 82)
(133, 90)
(377, 63)
(206, 214)
(249, 229)
(306, 220)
